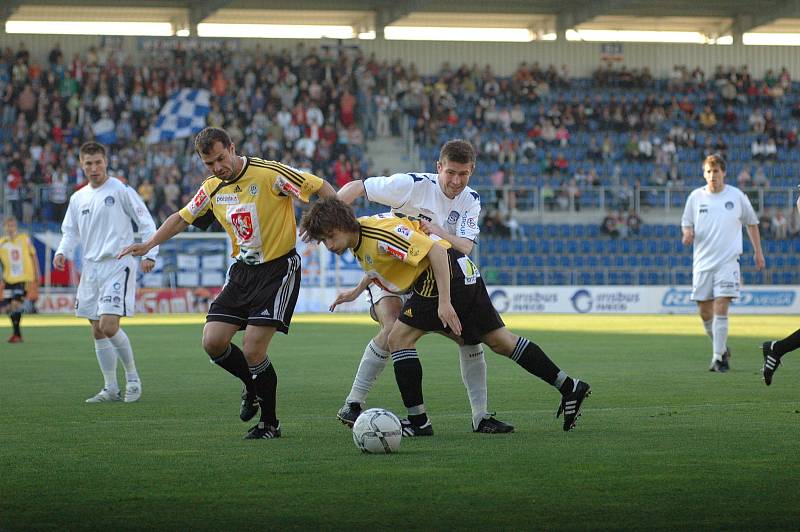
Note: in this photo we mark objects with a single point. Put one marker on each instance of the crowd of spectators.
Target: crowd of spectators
(573, 134)
(315, 109)
(310, 108)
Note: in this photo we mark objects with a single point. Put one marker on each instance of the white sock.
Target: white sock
(107, 358)
(372, 363)
(473, 373)
(720, 336)
(125, 353)
(709, 327)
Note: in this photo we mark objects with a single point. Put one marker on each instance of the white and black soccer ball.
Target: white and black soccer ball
(377, 431)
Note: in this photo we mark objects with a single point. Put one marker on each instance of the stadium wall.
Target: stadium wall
(581, 58)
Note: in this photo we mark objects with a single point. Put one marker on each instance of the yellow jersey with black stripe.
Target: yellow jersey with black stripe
(16, 257)
(255, 209)
(393, 251)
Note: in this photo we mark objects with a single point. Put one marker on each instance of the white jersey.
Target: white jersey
(99, 219)
(717, 220)
(419, 196)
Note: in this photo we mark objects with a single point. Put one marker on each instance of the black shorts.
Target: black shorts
(470, 300)
(264, 295)
(14, 292)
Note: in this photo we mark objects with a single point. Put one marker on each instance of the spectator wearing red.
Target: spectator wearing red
(342, 170)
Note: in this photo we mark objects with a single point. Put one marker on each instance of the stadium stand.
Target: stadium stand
(619, 143)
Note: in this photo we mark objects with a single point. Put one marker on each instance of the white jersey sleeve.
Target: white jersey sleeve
(134, 207)
(468, 226)
(688, 218)
(70, 237)
(749, 216)
(393, 191)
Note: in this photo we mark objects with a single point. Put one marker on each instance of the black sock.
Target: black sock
(16, 316)
(531, 357)
(790, 343)
(418, 419)
(233, 362)
(408, 373)
(266, 385)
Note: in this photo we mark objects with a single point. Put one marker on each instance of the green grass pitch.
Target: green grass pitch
(663, 444)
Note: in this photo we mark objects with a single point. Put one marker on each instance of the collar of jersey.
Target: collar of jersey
(359, 239)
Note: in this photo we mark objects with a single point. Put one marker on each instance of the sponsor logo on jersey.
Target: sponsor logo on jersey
(287, 187)
(396, 252)
(391, 250)
(237, 189)
(139, 211)
(198, 202)
(425, 214)
(253, 189)
(109, 201)
(242, 223)
(729, 205)
(408, 312)
(85, 211)
(403, 231)
(368, 259)
(453, 218)
(703, 208)
(471, 272)
(116, 286)
(471, 223)
(226, 199)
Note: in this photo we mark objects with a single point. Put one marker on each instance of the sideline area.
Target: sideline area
(766, 326)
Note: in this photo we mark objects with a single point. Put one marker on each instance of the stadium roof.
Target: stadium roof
(713, 18)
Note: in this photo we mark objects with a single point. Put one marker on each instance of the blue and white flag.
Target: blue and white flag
(105, 131)
(182, 116)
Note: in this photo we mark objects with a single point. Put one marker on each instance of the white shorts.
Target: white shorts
(375, 293)
(711, 284)
(107, 287)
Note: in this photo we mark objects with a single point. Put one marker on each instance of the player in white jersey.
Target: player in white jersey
(712, 221)
(447, 208)
(99, 219)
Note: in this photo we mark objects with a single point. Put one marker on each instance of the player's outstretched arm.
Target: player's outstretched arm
(351, 191)
(350, 295)
(171, 227)
(464, 245)
(441, 272)
(326, 190)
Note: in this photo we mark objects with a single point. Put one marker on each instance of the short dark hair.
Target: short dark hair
(328, 215)
(715, 159)
(206, 139)
(92, 148)
(457, 151)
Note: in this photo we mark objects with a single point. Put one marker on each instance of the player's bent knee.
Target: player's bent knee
(501, 341)
(214, 346)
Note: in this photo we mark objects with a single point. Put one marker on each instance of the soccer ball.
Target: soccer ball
(377, 431)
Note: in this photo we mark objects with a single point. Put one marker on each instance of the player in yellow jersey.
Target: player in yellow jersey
(252, 199)
(448, 296)
(20, 267)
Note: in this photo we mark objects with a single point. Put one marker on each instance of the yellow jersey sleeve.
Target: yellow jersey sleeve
(291, 181)
(199, 204)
